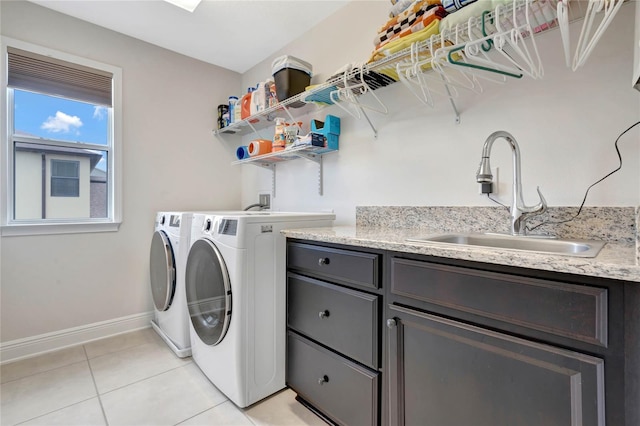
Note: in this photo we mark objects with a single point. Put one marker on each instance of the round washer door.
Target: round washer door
(162, 270)
(208, 292)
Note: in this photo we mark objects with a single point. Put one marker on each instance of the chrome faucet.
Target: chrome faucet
(520, 213)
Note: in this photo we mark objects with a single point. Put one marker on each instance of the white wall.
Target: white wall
(28, 184)
(565, 123)
(171, 161)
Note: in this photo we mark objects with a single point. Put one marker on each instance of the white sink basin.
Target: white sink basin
(578, 248)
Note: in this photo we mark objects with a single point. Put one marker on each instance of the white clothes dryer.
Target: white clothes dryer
(169, 249)
(236, 298)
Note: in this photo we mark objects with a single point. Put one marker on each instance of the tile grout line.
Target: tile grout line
(117, 350)
(41, 372)
(201, 412)
(95, 385)
(146, 378)
(51, 412)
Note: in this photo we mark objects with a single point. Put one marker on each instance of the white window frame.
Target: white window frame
(11, 227)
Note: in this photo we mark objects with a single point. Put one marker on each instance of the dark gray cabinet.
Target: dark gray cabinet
(444, 372)
(334, 329)
(476, 344)
(390, 338)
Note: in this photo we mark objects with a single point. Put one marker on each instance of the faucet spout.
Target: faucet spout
(520, 213)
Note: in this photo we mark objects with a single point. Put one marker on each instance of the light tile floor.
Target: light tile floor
(130, 379)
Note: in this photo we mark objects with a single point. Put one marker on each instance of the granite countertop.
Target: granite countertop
(616, 260)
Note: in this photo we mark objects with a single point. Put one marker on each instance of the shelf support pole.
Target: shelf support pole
(272, 167)
(453, 104)
(318, 160)
(375, 132)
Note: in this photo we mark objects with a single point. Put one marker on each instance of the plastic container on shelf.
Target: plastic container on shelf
(245, 104)
(260, 98)
(237, 112)
(291, 76)
(223, 116)
(280, 137)
(273, 98)
(259, 147)
(233, 104)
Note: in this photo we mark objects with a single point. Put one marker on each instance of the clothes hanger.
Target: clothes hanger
(586, 45)
(515, 41)
(563, 23)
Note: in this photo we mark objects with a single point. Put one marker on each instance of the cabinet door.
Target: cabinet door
(443, 372)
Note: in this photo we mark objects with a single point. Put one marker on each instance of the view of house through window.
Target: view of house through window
(58, 173)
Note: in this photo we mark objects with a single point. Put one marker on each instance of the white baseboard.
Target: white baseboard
(31, 346)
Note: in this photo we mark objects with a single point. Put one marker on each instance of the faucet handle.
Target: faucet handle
(542, 206)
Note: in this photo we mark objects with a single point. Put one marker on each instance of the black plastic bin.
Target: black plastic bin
(291, 76)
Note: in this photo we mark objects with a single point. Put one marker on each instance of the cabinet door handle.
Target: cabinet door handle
(324, 314)
(391, 323)
(322, 380)
(324, 261)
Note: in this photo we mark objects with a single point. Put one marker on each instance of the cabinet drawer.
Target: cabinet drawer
(344, 391)
(569, 310)
(343, 319)
(350, 267)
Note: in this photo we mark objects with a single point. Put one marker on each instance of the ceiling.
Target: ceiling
(234, 34)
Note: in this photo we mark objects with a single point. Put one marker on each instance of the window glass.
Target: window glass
(65, 178)
(51, 117)
(64, 142)
(52, 179)
(53, 182)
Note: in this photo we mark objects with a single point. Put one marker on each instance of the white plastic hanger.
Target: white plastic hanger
(475, 53)
(525, 51)
(563, 23)
(454, 76)
(406, 73)
(586, 43)
(476, 60)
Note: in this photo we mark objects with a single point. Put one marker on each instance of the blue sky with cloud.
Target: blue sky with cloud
(61, 119)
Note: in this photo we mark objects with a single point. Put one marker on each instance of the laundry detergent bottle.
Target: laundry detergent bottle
(245, 104)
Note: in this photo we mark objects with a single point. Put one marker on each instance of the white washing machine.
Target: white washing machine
(236, 298)
(169, 249)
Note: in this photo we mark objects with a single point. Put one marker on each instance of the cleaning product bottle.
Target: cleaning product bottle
(273, 99)
(257, 99)
(237, 111)
(279, 138)
(233, 101)
(246, 104)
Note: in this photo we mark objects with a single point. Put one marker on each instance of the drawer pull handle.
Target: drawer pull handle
(324, 314)
(322, 380)
(323, 261)
(391, 323)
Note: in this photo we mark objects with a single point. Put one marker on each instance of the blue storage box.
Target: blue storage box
(326, 133)
(331, 125)
(330, 142)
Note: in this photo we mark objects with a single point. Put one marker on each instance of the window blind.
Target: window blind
(38, 73)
